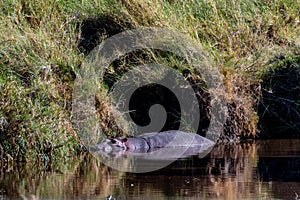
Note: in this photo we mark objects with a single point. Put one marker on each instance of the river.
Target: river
(266, 169)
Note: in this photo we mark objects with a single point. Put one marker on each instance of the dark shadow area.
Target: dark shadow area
(145, 97)
(279, 106)
(279, 160)
(95, 29)
(279, 169)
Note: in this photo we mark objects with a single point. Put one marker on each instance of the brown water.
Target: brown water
(252, 170)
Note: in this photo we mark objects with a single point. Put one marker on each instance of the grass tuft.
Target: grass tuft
(40, 56)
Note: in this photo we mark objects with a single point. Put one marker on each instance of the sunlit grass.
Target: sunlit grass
(39, 58)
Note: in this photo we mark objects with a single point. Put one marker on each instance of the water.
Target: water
(251, 170)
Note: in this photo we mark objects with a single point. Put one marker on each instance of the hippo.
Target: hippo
(163, 146)
(172, 138)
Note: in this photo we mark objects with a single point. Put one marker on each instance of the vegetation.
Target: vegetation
(42, 48)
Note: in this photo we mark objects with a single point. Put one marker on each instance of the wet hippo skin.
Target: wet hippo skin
(168, 145)
(173, 138)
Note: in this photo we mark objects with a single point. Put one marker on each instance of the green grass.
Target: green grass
(39, 58)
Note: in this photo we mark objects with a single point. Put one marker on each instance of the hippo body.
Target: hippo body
(173, 138)
(168, 145)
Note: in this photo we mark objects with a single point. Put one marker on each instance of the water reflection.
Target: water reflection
(261, 169)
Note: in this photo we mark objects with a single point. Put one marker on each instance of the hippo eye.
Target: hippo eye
(113, 141)
(124, 140)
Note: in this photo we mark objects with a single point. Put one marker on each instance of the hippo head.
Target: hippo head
(119, 142)
(129, 143)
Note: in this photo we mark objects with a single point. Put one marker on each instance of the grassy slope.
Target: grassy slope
(39, 58)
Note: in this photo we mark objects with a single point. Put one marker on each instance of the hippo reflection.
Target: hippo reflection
(170, 143)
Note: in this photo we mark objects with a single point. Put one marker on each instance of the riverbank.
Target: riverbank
(43, 45)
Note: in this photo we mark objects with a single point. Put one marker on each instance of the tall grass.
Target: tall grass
(39, 58)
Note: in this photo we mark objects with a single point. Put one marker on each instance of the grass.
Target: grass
(39, 59)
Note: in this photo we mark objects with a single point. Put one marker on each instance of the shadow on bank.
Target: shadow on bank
(279, 107)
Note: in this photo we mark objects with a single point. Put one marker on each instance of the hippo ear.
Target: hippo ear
(124, 140)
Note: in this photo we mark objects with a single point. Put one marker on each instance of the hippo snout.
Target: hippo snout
(119, 142)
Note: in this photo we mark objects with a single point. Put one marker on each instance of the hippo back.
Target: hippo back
(175, 138)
